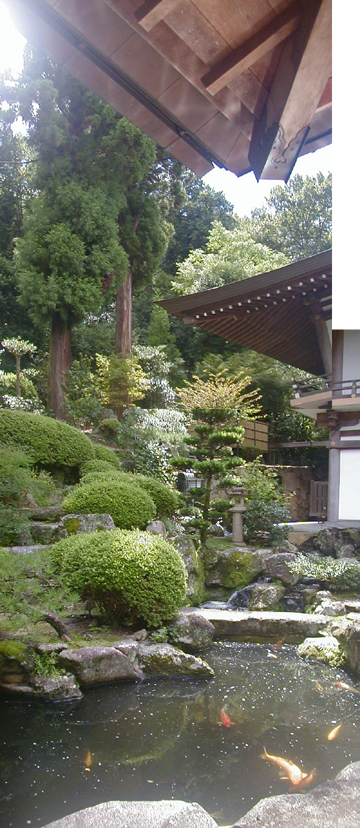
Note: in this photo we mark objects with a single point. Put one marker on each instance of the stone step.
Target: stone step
(293, 627)
(25, 550)
(47, 514)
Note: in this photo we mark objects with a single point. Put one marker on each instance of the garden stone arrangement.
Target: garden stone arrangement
(334, 804)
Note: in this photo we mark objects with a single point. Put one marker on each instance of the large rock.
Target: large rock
(331, 805)
(325, 648)
(95, 665)
(234, 567)
(62, 688)
(165, 660)
(278, 566)
(46, 533)
(195, 591)
(347, 632)
(76, 524)
(329, 606)
(157, 527)
(191, 631)
(162, 814)
(267, 597)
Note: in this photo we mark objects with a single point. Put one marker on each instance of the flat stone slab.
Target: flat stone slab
(293, 627)
(331, 805)
(162, 814)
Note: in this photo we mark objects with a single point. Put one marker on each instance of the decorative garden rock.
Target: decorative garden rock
(191, 631)
(61, 688)
(287, 546)
(345, 551)
(347, 632)
(334, 804)
(163, 814)
(240, 599)
(267, 596)
(277, 567)
(157, 527)
(46, 533)
(195, 587)
(234, 567)
(76, 524)
(97, 665)
(165, 660)
(325, 648)
(329, 606)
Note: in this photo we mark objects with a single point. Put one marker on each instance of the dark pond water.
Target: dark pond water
(164, 739)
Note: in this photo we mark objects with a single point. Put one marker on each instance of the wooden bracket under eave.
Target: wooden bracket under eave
(253, 49)
(153, 11)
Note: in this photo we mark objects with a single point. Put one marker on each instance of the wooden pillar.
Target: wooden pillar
(334, 468)
(337, 360)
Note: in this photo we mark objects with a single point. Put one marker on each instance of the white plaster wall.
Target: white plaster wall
(349, 495)
(351, 355)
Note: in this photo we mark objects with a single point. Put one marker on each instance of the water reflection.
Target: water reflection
(166, 739)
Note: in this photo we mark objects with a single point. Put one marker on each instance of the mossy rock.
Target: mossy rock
(326, 648)
(233, 568)
(191, 556)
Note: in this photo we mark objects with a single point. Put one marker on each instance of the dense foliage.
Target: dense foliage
(129, 506)
(166, 499)
(107, 455)
(135, 578)
(48, 442)
(333, 574)
(217, 406)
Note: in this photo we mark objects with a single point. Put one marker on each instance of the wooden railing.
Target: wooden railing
(345, 388)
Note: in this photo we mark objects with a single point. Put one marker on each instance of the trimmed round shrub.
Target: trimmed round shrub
(166, 500)
(109, 427)
(129, 506)
(106, 454)
(98, 467)
(48, 442)
(134, 577)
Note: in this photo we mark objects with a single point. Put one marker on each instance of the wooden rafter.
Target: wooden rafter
(153, 11)
(302, 74)
(253, 49)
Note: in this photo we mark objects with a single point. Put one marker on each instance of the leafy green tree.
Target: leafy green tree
(296, 218)
(217, 405)
(229, 255)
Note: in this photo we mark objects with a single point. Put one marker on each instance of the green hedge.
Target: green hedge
(129, 506)
(166, 500)
(48, 442)
(106, 454)
(100, 467)
(134, 577)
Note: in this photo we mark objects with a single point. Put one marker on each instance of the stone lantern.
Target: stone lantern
(238, 493)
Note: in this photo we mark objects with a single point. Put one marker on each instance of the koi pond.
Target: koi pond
(199, 741)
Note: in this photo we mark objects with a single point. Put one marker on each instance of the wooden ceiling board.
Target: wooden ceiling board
(265, 68)
(250, 91)
(188, 104)
(143, 63)
(192, 27)
(85, 71)
(238, 160)
(43, 36)
(97, 22)
(236, 20)
(189, 157)
(219, 134)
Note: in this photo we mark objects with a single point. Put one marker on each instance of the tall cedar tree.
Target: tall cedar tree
(78, 245)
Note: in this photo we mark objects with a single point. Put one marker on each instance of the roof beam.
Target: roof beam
(253, 49)
(302, 74)
(151, 12)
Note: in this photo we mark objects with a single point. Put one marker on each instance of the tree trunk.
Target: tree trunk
(17, 360)
(59, 365)
(123, 317)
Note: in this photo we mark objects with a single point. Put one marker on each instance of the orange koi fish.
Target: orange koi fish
(88, 761)
(293, 772)
(305, 782)
(278, 644)
(319, 687)
(225, 719)
(348, 687)
(333, 733)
